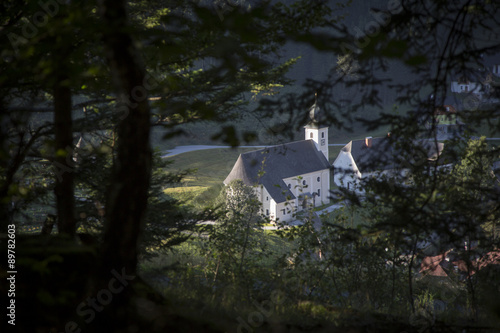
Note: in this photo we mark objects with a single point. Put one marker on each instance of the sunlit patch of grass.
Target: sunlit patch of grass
(185, 193)
(184, 189)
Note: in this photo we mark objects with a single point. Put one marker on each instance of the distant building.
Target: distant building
(446, 122)
(291, 176)
(496, 70)
(448, 262)
(374, 157)
(465, 86)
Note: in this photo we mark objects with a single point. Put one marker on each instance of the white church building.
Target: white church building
(289, 177)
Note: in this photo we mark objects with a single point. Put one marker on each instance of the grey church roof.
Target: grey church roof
(384, 154)
(269, 166)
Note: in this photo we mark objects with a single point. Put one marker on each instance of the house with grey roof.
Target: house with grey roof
(289, 177)
(375, 157)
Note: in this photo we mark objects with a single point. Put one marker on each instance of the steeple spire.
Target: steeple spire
(316, 128)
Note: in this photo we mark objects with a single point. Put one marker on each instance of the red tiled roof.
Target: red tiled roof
(490, 258)
(431, 265)
(445, 109)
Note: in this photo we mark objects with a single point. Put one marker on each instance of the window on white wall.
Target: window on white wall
(267, 212)
(267, 198)
(322, 135)
(283, 211)
(318, 179)
(303, 182)
(311, 135)
(319, 193)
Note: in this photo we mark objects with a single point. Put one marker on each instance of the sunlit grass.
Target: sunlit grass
(184, 190)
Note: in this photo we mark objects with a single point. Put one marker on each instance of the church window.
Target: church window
(303, 182)
(267, 198)
(267, 212)
(283, 211)
(318, 179)
(311, 135)
(323, 134)
(289, 185)
(319, 193)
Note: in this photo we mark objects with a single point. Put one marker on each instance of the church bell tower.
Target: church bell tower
(316, 129)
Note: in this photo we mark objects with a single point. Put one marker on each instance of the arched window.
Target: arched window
(322, 135)
(318, 179)
(319, 193)
(289, 185)
(303, 182)
(267, 198)
(311, 135)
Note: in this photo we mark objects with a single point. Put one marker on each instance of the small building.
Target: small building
(496, 70)
(463, 85)
(289, 177)
(480, 88)
(446, 122)
(446, 115)
(375, 157)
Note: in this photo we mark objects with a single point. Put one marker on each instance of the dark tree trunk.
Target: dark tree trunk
(5, 200)
(127, 193)
(48, 224)
(63, 161)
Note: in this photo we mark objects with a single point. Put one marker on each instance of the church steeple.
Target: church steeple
(316, 129)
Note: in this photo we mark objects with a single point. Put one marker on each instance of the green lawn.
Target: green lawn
(347, 217)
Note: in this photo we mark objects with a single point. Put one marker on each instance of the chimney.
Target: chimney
(368, 141)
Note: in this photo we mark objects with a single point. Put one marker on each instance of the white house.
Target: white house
(374, 157)
(291, 176)
(479, 88)
(463, 86)
(496, 70)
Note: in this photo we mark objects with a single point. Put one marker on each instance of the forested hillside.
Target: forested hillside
(99, 233)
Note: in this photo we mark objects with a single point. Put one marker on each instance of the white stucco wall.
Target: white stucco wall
(457, 87)
(289, 211)
(345, 172)
(312, 185)
(264, 198)
(271, 209)
(320, 138)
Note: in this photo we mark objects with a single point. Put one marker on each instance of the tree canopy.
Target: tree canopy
(87, 86)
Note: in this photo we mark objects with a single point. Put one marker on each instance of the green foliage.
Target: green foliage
(236, 243)
(208, 67)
